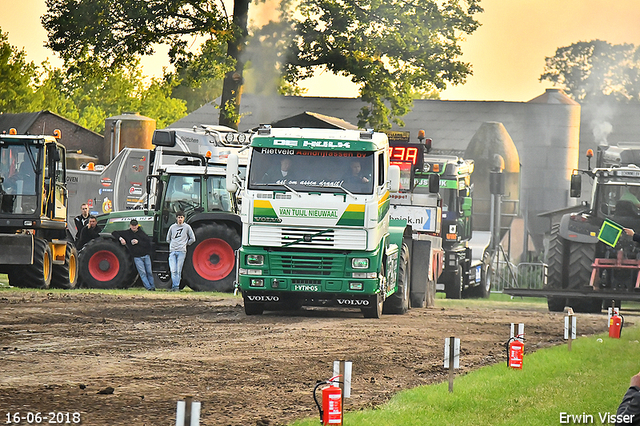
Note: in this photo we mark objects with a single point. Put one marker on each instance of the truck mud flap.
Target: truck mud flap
(420, 256)
(17, 249)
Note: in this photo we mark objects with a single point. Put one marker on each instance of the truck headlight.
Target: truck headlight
(359, 263)
(256, 282)
(355, 286)
(255, 259)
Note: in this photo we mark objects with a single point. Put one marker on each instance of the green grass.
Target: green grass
(590, 379)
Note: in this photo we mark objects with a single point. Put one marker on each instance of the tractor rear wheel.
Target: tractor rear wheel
(66, 276)
(211, 263)
(555, 262)
(104, 263)
(580, 258)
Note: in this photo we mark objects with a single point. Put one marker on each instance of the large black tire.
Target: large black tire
(483, 289)
(210, 264)
(66, 276)
(398, 302)
(104, 263)
(37, 275)
(253, 308)
(375, 310)
(580, 258)
(453, 289)
(555, 262)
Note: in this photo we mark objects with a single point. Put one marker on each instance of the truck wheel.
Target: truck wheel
(483, 290)
(210, 265)
(37, 275)
(66, 276)
(453, 289)
(374, 311)
(104, 264)
(555, 262)
(253, 308)
(398, 302)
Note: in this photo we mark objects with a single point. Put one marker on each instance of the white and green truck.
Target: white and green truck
(316, 223)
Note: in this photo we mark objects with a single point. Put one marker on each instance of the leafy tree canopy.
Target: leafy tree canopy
(394, 50)
(17, 79)
(592, 69)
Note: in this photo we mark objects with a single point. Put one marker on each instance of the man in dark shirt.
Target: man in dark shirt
(629, 409)
(88, 233)
(139, 245)
(82, 219)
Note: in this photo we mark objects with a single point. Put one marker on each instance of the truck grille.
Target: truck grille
(336, 238)
(305, 264)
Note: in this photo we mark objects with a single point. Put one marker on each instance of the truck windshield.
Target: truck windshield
(18, 178)
(618, 199)
(311, 170)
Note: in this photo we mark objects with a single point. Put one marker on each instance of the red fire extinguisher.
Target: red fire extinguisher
(331, 410)
(615, 326)
(515, 348)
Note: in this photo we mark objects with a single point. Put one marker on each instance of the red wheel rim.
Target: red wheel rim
(213, 259)
(104, 265)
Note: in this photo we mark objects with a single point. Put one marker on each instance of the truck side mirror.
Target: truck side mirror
(434, 183)
(232, 173)
(576, 186)
(394, 178)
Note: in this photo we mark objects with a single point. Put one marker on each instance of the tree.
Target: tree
(593, 69)
(113, 33)
(17, 77)
(392, 49)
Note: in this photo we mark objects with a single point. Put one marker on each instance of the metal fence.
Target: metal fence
(530, 275)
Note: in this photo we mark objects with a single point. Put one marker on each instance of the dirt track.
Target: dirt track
(58, 350)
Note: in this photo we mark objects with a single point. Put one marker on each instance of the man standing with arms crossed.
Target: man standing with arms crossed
(139, 245)
(180, 235)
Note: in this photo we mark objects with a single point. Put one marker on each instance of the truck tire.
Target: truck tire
(66, 276)
(555, 261)
(253, 308)
(483, 289)
(105, 264)
(37, 275)
(453, 289)
(374, 311)
(211, 264)
(398, 302)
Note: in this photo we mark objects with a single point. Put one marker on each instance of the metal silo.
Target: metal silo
(549, 153)
(492, 139)
(128, 130)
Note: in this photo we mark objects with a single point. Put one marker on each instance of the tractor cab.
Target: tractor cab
(32, 180)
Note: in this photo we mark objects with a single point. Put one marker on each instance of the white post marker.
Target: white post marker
(520, 334)
(570, 328)
(451, 357)
(348, 365)
(188, 412)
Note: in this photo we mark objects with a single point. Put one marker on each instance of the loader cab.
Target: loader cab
(32, 177)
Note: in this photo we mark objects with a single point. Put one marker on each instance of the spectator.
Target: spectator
(180, 235)
(89, 232)
(629, 409)
(139, 245)
(82, 219)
